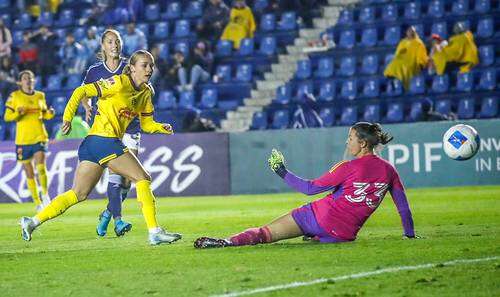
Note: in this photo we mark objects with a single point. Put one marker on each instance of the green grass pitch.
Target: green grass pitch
(66, 258)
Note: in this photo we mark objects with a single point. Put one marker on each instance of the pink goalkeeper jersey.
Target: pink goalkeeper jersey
(360, 185)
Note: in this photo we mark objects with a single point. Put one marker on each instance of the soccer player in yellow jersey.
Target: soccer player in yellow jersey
(121, 99)
(28, 109)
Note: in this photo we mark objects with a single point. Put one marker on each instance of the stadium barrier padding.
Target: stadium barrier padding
(236, 163)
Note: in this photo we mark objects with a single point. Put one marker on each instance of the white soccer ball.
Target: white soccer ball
(461, 142)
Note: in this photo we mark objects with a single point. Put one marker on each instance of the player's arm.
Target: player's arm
(148, 124)
(86, 102)
(399, 197)
(84, 91)
(308, 187)
(12, 111)
(47, 113)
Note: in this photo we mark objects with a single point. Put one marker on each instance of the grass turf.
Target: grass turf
(66, 258)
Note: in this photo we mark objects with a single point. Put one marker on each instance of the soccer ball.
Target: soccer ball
(461, 142)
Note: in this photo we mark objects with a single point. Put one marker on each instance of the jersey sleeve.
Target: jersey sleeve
(11, 113)
(108, 86)
(335, 176)
(87, 90)
(148, 124)
(399, 198)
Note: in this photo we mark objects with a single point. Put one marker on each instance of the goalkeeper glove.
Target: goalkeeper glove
(277, 163)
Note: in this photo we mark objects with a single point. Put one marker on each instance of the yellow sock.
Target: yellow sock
(57, 206)
(147, 199)
(33, 190)
(42, 177)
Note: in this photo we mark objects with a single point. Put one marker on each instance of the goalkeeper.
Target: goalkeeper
(356, 189)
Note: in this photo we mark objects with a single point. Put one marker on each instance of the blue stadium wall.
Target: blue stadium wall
(236, 163)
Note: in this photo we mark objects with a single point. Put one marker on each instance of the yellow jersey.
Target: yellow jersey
(29, 126)
(120, 101)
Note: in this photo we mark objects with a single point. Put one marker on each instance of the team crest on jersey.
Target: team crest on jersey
(334, 167)
(127, 113)
(106, 83)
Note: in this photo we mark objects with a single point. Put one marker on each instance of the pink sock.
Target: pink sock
(252, 236)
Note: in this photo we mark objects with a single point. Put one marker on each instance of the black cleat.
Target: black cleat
(207, 243)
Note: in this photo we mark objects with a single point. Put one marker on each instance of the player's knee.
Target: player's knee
(81, 195)
(143, 175)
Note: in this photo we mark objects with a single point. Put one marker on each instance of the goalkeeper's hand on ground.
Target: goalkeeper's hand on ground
(277, 163)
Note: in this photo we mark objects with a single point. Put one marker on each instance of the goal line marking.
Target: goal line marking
(355, 276)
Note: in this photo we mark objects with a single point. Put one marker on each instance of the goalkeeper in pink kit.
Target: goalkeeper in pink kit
(356, 188)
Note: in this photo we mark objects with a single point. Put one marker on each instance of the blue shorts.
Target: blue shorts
(100, 150)
(26, 152)
(305, 219)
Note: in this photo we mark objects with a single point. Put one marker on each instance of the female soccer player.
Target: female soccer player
(357, 186)
(28, 109)
(112, 63)
(121, 99)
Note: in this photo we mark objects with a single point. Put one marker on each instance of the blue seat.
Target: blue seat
(182, 46)
(73, 81)
(417, 85)
(303, 69)
(79, 33)
(371, 89)
(392, 35)
(144, 28)
(288, 21)
(435, 9)
(54, 82)
(174, 11)
(23, 22)
(283, 94)
(443, 106)
(349, 116)
(412, 10)
(327, 91)
(395, 113)
(465, 82)
(61, 35)
(164, 51)
(160, 30)
(394, 88)
(465, 108)
(349, 89)
(488, 80)
(372, 113)
(346, 17)
(166, 100)
(327, 115)
(440, 84)
(482, 6)
(419, 27)
(260, 5)
(303, 89)
(347, 66)
(416, 112)
(46, 18)
(460, 7)
(226, 105)
(389, 12)
(325, 68)
(3, 131)
(369, 64)
(486, 55)
(244, 73)
(59, 104)
(17, 38)
(194, 9)
(209, 98)
(281, 119)
(485, 28)
(7, 20)
(347, 39)
(489, 107)
(186, 100)
(367, 15)
(152, 12)
(268, 22)
(223, 48)
(369, 37)
(11, 129)
(246, 47)
(259, 121)
(268, 45)
(5, 3)
(440, 28)
(182, 28)
(223, 72)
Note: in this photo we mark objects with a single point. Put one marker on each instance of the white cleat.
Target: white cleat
(161, 236)
(27, 227)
